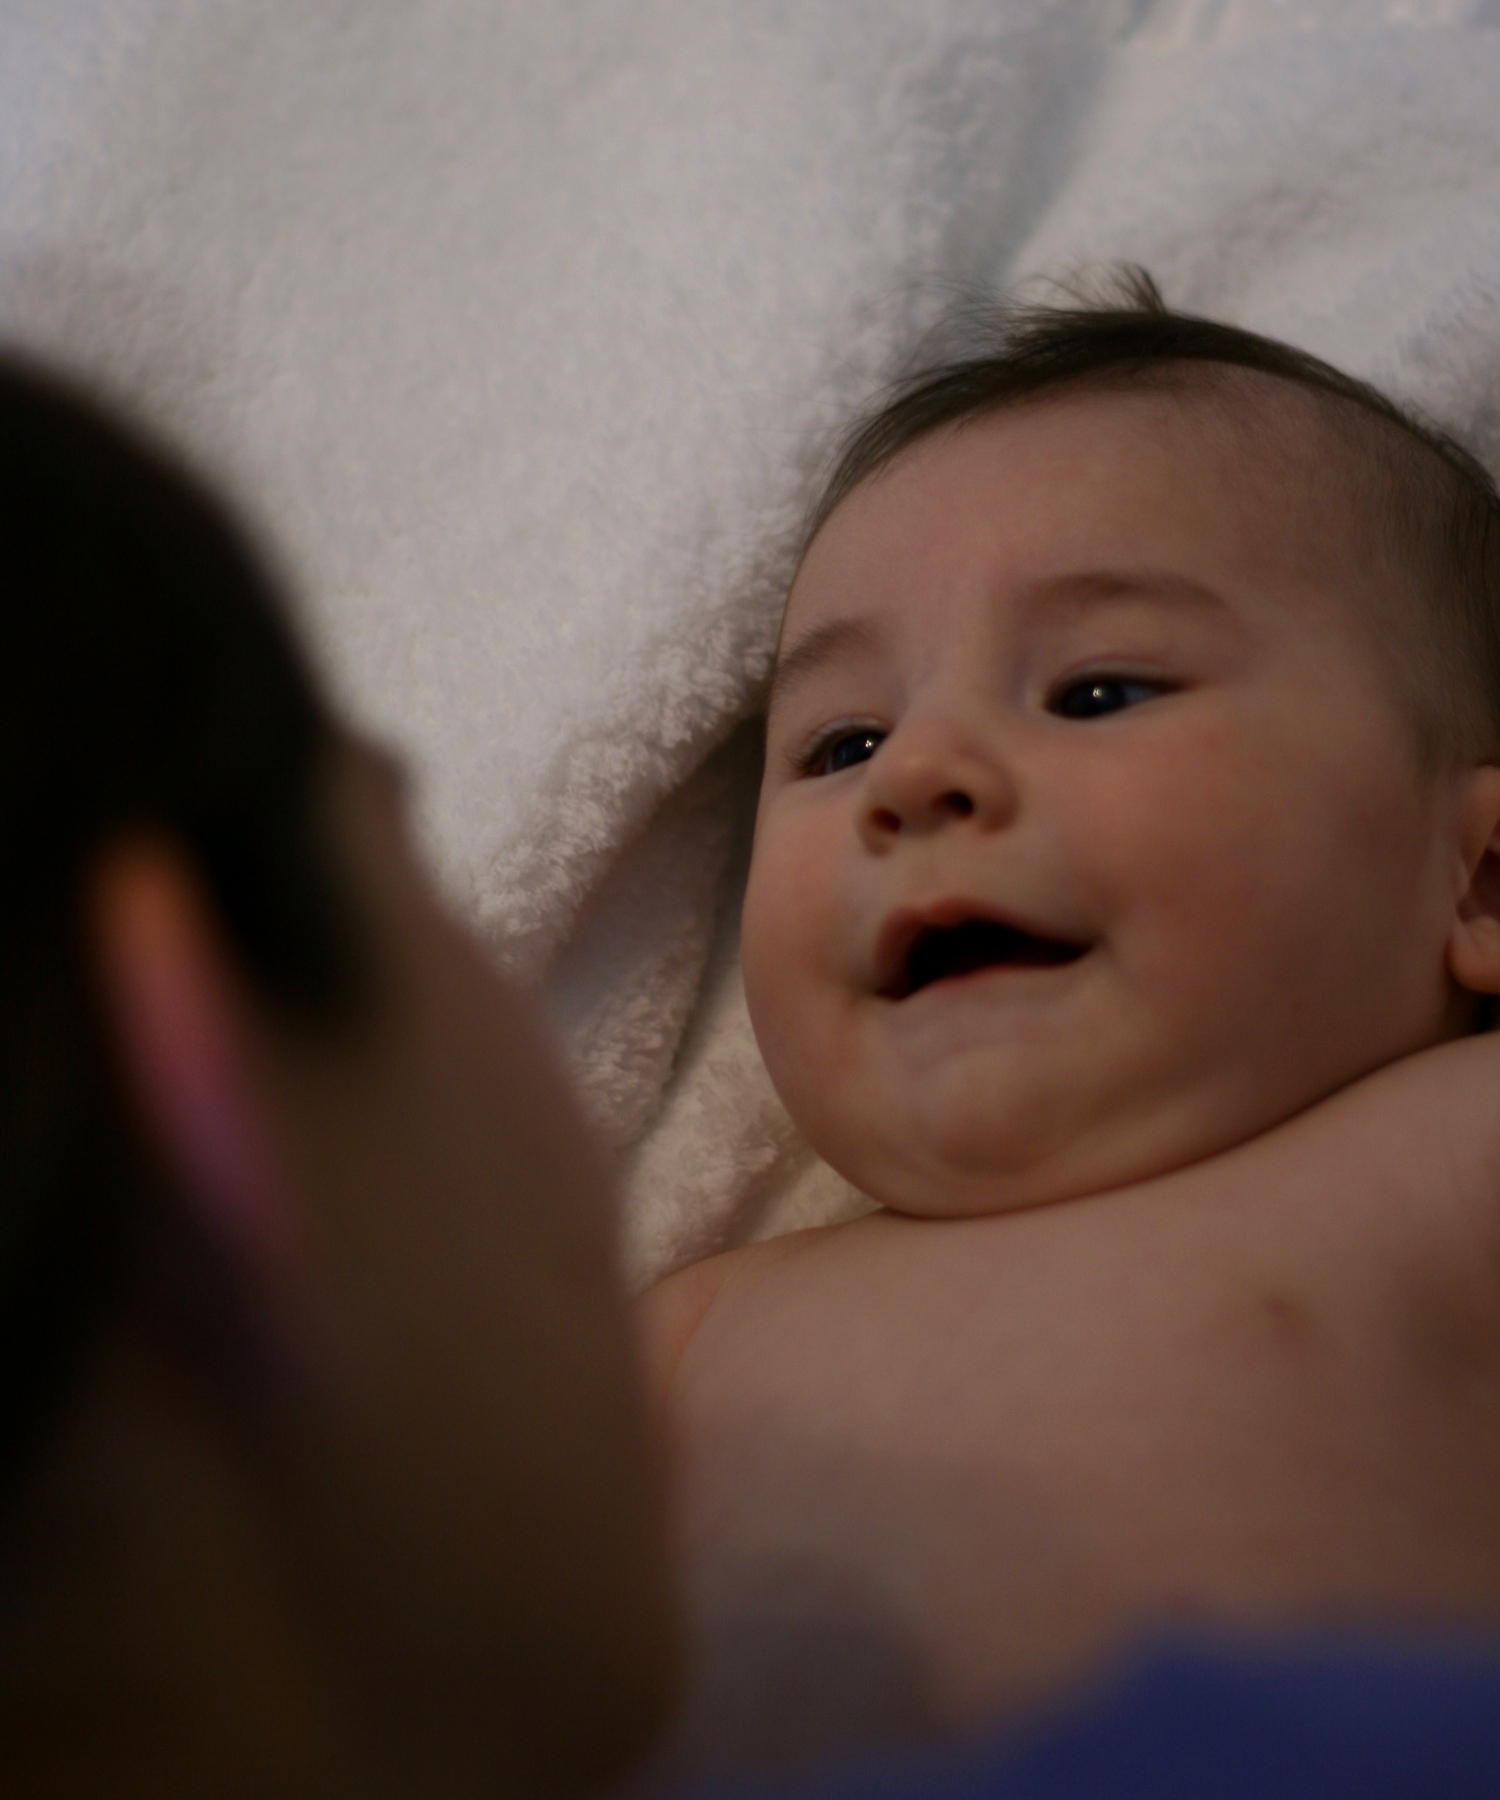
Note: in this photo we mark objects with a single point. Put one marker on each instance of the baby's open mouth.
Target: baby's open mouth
(945, 952)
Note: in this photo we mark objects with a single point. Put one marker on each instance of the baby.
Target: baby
(1130, 822)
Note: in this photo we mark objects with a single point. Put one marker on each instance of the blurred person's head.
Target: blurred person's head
(321, 1454)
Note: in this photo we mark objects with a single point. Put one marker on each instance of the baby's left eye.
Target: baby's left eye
(1092, 696)
(843, 750)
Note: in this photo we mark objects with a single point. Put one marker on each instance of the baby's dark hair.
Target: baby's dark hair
(1436, 503)
(152, 683)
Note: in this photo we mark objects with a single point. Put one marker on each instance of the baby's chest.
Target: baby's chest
(942, 1398)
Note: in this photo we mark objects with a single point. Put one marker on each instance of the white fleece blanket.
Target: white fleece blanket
(522, 327)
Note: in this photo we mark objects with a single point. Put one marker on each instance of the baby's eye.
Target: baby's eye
(1092, 696)
(843, 750)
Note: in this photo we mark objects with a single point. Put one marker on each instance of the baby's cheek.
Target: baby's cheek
(777, 933)
(1187, 903)
(788, 937)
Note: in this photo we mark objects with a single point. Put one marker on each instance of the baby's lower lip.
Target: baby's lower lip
(1016, 971)
(941, 955)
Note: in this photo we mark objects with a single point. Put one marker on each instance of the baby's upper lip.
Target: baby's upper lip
(902, 930)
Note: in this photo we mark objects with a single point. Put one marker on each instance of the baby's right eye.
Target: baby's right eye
(842, 750)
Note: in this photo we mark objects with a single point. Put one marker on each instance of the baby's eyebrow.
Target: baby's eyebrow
(1107, 584)
(817, 648)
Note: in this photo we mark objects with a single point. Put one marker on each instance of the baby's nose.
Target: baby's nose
(923, 780)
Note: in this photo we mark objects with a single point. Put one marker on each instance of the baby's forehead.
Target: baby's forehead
(1277, 440)
(1191, 462)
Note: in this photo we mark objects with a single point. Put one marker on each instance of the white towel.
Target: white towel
(522, 330)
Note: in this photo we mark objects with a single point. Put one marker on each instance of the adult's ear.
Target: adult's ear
(183, 1028)
(1474, 941)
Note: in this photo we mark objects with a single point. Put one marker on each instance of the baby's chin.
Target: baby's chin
(968, 1164)
(933, 1188)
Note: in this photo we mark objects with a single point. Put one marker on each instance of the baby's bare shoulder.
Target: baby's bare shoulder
(669, 1314)
(1417, 1142)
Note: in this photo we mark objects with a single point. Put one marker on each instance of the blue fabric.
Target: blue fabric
(1299, 1720)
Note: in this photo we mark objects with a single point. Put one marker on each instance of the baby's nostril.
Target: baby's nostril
(960, 805)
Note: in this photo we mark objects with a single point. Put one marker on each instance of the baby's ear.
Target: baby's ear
(1474, 942)
(182, 1026)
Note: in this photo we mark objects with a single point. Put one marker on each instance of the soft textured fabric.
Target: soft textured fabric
(523, 329)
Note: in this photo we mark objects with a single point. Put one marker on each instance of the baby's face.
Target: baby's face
(1093, 838)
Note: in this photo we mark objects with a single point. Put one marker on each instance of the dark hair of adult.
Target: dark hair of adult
(1436, 500)
(151, 682)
